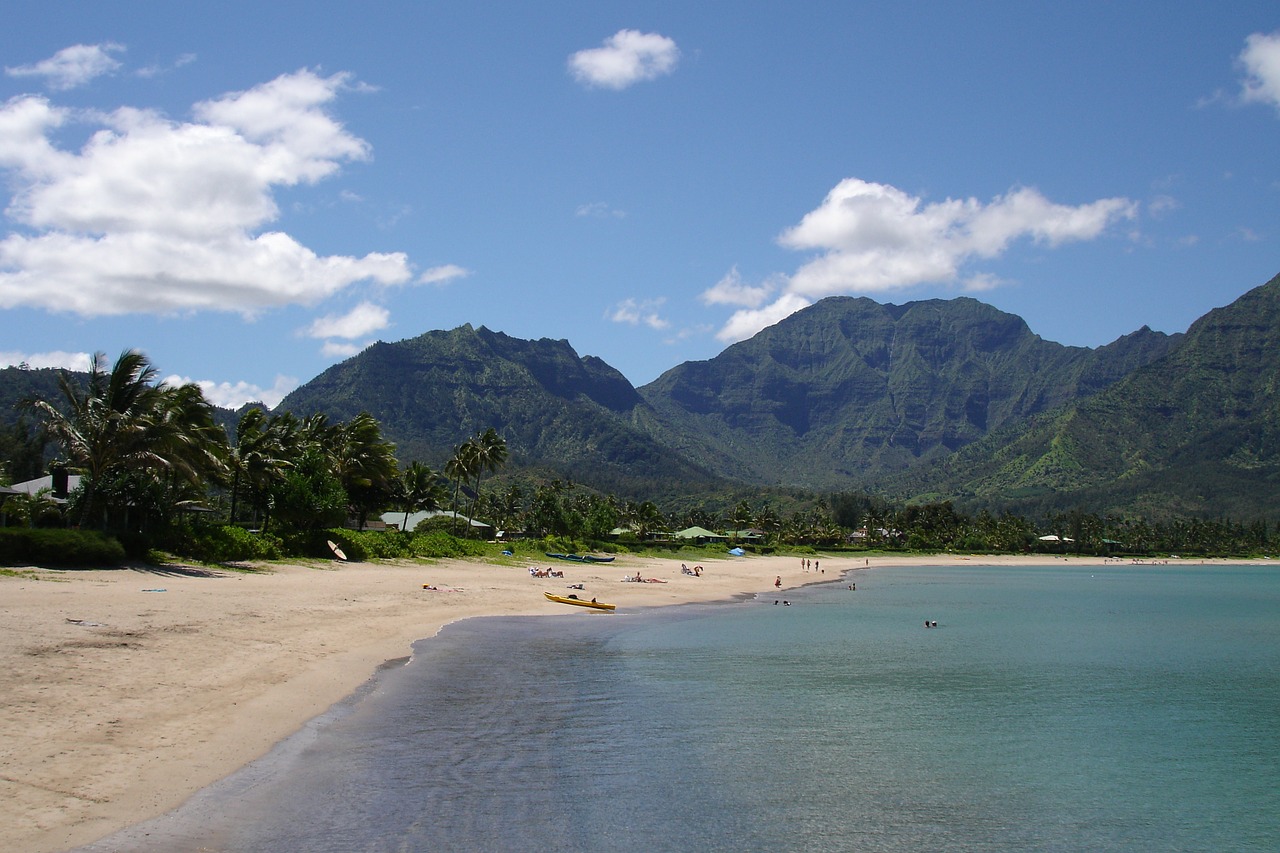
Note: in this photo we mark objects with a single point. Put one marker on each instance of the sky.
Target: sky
(250, 193)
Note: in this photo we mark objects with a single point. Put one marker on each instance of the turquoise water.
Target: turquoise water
(1053, 708)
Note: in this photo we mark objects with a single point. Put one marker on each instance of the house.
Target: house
(397, 519)
(59, 485)
(700, 535)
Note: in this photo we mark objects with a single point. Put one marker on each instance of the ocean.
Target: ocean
(1062, 707)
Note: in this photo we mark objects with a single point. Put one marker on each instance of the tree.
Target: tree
(459, 469)
(254, 458)
(365, 464)
(742, 515)
(419, 489)
(309, 495)
(490, 454)
(191, 443)
(21, 451)
(122, 428)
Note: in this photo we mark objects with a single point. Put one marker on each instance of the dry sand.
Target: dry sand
(126, 691)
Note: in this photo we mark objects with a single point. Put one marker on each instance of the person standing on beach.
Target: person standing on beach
(778, 582)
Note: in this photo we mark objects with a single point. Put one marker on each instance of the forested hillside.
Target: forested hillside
(849, 389)
(558, 412)
(1194, 433)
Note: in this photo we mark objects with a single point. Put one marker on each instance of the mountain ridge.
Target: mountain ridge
(1197, 430)
(925, 401)
(871, 387)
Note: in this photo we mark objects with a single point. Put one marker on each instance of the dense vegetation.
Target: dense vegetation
(1196, 433)
(850, 389)
(973, 433)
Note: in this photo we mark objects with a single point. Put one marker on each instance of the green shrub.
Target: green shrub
(222, 544)
(53, 547)
(372, 544)
(315, 544)
(437, 544)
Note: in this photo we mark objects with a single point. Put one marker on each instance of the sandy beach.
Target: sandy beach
(126, 691)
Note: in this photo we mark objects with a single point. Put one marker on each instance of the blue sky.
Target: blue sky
(249, 193)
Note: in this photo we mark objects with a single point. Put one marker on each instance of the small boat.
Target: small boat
(580, 558)
(572, 599)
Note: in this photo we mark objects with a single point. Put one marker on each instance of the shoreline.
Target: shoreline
(129, 690)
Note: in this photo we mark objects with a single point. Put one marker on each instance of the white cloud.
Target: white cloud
(360, 321)
(443, 273)
(637, 312)
(732, 290)
(875, 238)
(72, 66)
(66, 360)
(745, 323)
(233, 395)
(1261, 61)
(158, 216)
(341, 349)
(628, 57)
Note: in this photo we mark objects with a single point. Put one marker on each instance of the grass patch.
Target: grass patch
(26, 574)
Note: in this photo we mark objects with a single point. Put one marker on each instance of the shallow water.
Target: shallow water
(1053, 708)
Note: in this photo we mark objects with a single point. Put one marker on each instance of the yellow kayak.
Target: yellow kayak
(578, 601)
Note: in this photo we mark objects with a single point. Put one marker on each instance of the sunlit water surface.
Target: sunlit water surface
(1053, 708)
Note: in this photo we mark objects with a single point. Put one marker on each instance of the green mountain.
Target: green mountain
(564, 414)
(1196, 432)
(849, 389)
(940, 399)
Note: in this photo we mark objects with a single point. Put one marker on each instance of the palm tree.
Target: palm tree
(247, 457)
(419, 489)
(131, 438)
(459, 469)
(365, 464)
(105, 430)
(280, 449)
(490, 455)
(192, 443)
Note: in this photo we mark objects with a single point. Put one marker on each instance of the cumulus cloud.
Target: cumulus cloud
(233, 395)
(65, 360)
(732, 290)
(1261, 62)
(636, 312)
(627, 57)
(153, 215)
(443, 273)
(745, 323)
(365, 319)
(72, 66)
(875, 238)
